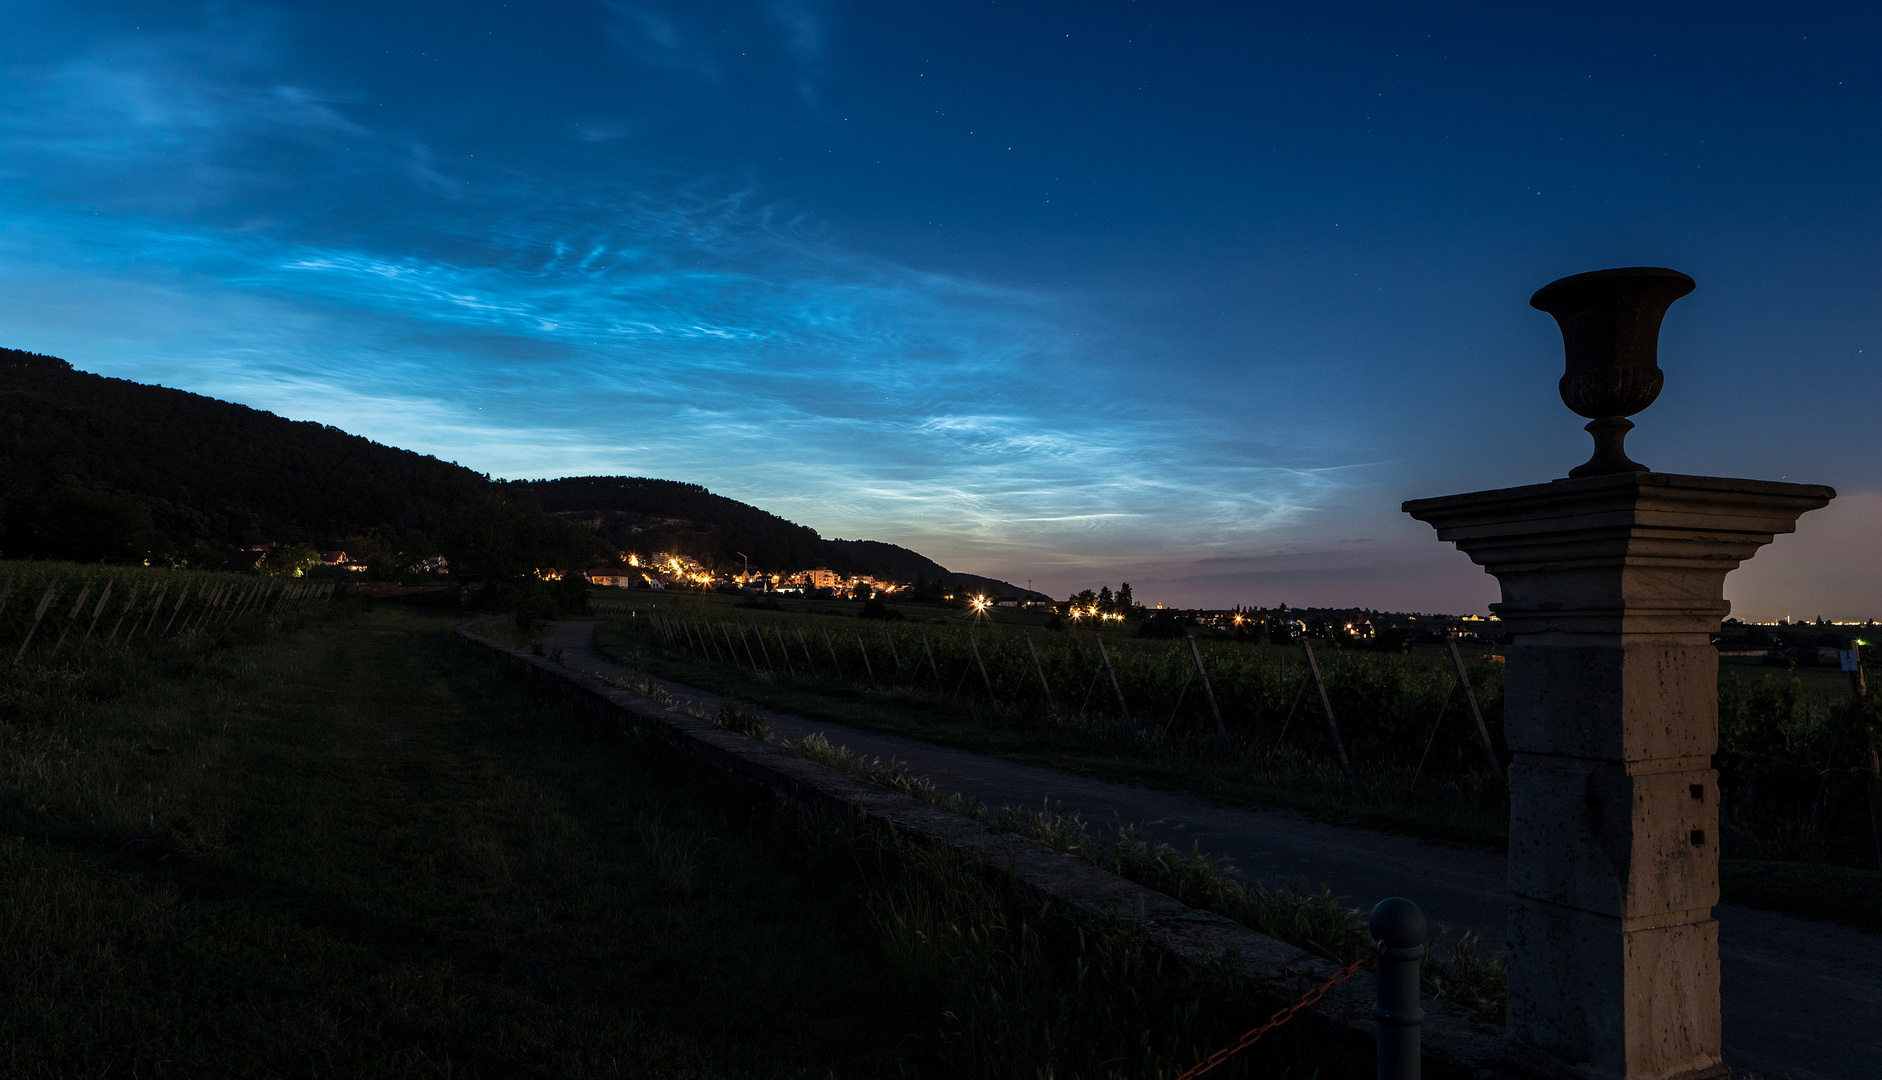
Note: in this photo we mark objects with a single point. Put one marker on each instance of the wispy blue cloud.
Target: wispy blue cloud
(660, 328)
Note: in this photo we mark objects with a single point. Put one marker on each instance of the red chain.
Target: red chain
(1275, 1021)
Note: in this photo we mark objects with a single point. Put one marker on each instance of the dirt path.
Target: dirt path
(1801, 998)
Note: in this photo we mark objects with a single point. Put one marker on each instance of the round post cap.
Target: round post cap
(1398, 923)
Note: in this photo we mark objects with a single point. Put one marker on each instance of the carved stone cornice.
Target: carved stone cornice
(1621, 553)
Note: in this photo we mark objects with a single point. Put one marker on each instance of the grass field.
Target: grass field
(346, 844)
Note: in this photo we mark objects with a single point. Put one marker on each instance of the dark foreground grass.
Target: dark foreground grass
(360, 849)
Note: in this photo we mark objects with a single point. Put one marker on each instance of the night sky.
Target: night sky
(1190, 295)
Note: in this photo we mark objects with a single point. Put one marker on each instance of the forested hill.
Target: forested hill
(633, 513)
(92, 468)
(99, 469)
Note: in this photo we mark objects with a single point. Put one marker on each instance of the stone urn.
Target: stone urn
(1610, 322)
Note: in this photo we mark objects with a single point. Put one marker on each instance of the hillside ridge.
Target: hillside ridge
(95, 468)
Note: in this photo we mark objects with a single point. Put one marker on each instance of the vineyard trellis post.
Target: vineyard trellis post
(1040, 668)
(1116, 690)
(1299, 693)
(718, 654)
(130, 604)
(893, 653)
(1326, 706)
(784, 651)
(809, 660)
(835, 664)
(156, 609)
(982, 664)
(1207, 691)
(65, 626)
(180, 598)
(731, 651)
(103, 599)
(933, 669)
(749, 655)
(38, 614)
(758, 632)
(1470, 698)
(868, 668)
(1449, 693)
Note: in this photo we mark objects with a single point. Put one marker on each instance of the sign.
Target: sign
(1850, 658)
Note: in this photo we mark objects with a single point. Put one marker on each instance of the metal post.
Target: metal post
(1398, 932)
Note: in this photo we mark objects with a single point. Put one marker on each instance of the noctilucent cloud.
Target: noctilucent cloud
(1189, 295)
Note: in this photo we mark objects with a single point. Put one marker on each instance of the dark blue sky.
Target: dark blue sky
(1186, 294)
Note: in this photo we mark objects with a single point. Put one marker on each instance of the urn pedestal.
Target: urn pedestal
(1612, 585)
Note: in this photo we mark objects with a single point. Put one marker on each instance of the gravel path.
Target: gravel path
(1801, 998)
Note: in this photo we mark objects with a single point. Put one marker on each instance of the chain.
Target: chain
(1307, 1000)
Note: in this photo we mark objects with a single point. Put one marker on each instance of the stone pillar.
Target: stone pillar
(1613, 581)
(1612, 586)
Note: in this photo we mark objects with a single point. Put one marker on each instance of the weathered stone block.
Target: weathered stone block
(1641, 700)
(1597, 836)
(1613, 1002)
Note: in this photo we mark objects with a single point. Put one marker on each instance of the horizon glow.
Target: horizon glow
(1066, 293)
